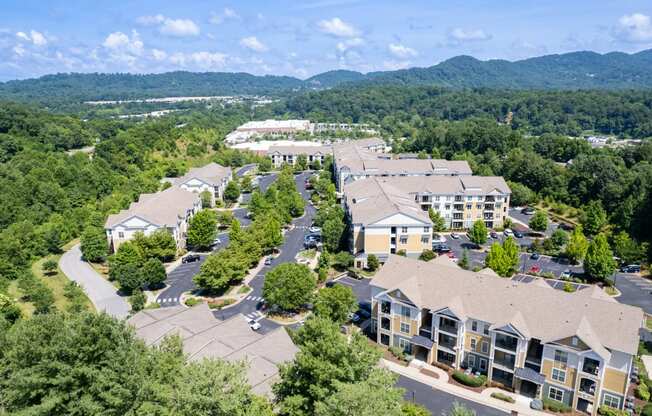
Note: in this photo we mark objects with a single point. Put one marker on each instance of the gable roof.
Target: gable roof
(162, 209)
(204, 336)
(300, 150)
(211, 174)
(535, 311)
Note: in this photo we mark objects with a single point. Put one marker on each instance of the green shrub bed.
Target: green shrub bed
(469, 380)
(503, 397)
(555, 406)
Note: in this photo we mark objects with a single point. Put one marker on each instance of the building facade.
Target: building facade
(212, 178)
(290, 154)
(575, 348)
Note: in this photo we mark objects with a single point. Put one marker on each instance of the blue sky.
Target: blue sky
(302, 38)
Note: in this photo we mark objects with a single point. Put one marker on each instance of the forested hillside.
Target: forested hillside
(577, 70)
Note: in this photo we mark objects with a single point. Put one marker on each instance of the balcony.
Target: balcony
(458, 207)
(490, 199)
(385, 323)
(488, 207)
(591, 367)
(488, 216)
(425, 332)
(446, 341)
(587, 386)
(385, 307)
(448, 325)
(506, 342)
(504, 359)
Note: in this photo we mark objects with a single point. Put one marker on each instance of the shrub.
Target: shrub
(190, 302)
(49, 266)
(469, 380)
(647, 410)
(372, 262)
(605, 410)
(427, 255)
(503, 397)
(555, 406)
(401, 253)
(642, 392)
(137, 300)
(219, 304)
(398, 353)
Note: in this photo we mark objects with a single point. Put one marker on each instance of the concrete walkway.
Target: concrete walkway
(102, 293)
(413, 371)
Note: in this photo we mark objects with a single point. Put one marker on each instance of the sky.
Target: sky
(303, 38)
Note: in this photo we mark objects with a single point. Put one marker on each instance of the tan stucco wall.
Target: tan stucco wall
(479, 339)
(376, 243)
(615, 380)
(358, 241)
(396, 325)
(546, 369)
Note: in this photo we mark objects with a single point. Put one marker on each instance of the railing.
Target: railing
(591, 367)
(425, 332)
(447, 342)
(504, 360)
(587, 387)
(451, 329)
(506, 343)
(385, 323)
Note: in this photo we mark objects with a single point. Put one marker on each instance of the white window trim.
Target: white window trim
(561, 352)
(613, 397)
(471, 361)
(559, 373)
(473, 343)
(482, 347)
(401, 328)
(403, 343)
(550, 389)
(483, 364)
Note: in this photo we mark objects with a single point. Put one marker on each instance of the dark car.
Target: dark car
(528, 211)
(535, 256)
(190, 258)
(493, 234)
(632, 268)
(518, 234)
(441, 248)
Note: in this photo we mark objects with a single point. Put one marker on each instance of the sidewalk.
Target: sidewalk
(441, 383)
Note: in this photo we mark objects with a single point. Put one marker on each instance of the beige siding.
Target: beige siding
(376, 243)
(615, 380)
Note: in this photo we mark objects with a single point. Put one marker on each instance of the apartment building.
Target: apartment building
(169, 210)
(460, 200)
(290, 154)
(384, 220)
(575, 348)
(353, 161)
(212, 178)
(268, 128)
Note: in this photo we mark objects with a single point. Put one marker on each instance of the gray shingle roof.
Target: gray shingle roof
(212, 174)
(548, 315)
(161, 208)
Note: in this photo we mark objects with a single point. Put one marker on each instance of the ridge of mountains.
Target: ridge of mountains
(575, 70)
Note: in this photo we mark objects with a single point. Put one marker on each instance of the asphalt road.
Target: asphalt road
(244, 169)
(439, 402)
(635, 291)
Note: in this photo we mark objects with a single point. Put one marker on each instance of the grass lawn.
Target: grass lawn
(56, 282)
(308, 254)
(648, 322)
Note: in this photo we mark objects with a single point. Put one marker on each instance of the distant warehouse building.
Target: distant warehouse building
(267, 128)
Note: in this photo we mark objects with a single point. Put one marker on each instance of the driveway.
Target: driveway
(635, 291)
(439, 402)
(102, 294)
(244, 169)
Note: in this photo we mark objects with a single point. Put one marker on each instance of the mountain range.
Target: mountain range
(576, 70)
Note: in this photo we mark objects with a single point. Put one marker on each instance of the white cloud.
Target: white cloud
(34, 37)
(19, 50)
(401, 51)
(348, 44)
(124, 48)
(337, 27)
(23, 36)
(204, 60)
(226, 14)
(151, 20)
(253, 43)
(179, 27)
(393, 65)
(468, 35)
(634, 28)
(159, 55)
(116, 40)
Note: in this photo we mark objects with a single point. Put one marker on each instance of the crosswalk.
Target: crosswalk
(256, 315)
(167, 300)
(255, 298)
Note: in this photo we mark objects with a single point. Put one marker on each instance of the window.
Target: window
(403, 239)
(478, 206)
(405, 311)
(405, 345)
(611, 400)
(483, 364)
(471, 361)
(404, 229)
(474, 326)
(559, 375)
(561, 356)
(405, 327)
(448, 206)
(486, 329)
(448, 198)
(574, 341)
(121, 234)
(473, 343)
(469, 198)
(426, 229)
(469, 206)
(437, 198)
(556, 394)
(435, 207)
(485, 347)
(425, 239)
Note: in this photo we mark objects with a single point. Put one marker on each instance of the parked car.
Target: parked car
(314, 237)
(438, 238)
(268, 260)
(253, 325)
(190, 258)
(528, 211)
(631, 268)
(455, 236)
(535, 268)
(566, 274)
(314, 229)
(518, 234)
(535, 256)
(216, 242)
(441, 248)
(310, 244)
(451, 255)
(493, 234)
(508, 232)
(354, 317)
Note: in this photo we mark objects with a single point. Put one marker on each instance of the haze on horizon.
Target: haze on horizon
(300, 39)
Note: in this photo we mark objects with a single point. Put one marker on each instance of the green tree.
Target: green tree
(137, 300)
(268, 232)
(325, 357)
(50, 266)
(130, 276)
(159, 244)
(331, 233)
(221, 269)
(459, 409)
(202, 230)
(335, 303)
(576, 246)
(265, 165)
(559, 238)
(512, 258)
(627, 249)
(343, 260)
(438, 223)
(154, 274)
(599, 262)
(413, 409)
(301, 163)
(427, 255)
(232, 192)
(594, 218)
(496, 259)
(539, 221)
(289, 286)
(206, 199)
(464, 261)
(371, 397)
(9, 310)
(372, 262)
(128, 253)
(94, 245)
(521, 194)
(478, 233)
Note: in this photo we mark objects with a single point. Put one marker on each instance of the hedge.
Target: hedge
(605, 410)
(503, 397)
(647, 410)
(555, 406)
(642, 392)
(468, 380)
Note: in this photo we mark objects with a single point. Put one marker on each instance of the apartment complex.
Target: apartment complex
(290, 154)
(575, 348)
(384, 220)
(169, 210)
(460, 200)
(354, 161)
(212, 178)
(267, 128)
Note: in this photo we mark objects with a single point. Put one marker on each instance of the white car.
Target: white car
(508, 232)
(455, 236)
(314, 229)
(217, 241)
(253, 325)
(437, 238)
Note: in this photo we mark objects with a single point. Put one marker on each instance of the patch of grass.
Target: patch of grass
(26, 308)
(308, 254)
(190, 302)
(57, 282)
(555, 406)
(611, 291)
(244, 289)
(153, 305)
(648, 322)
(220, 303)
(503, 397)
